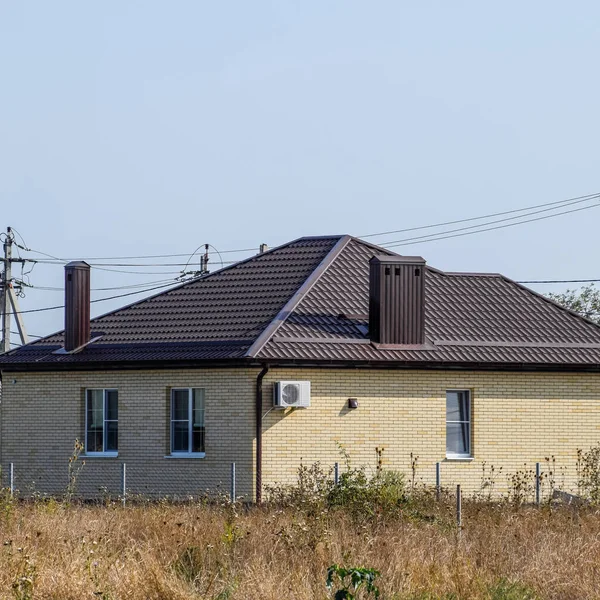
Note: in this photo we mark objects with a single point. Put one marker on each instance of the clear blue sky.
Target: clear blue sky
(151, 127)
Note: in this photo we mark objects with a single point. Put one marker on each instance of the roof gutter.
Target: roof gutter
(435, 366)
(141, 365)
(259, 417)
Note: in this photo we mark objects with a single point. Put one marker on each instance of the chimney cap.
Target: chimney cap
(77, 264)
(398, 260)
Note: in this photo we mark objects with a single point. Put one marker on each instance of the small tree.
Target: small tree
(585, 301)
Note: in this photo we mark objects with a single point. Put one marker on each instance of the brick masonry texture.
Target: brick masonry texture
(517, 418)
(42, 415)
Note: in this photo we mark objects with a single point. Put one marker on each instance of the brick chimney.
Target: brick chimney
(397, 300)
(77, 305)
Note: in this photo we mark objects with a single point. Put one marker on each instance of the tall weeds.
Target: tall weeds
(183, 552)
(365, 525)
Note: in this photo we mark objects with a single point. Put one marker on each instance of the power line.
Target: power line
(409, 241)
(498, 214)
(24, 243)
(220, 257)
(135, 272)
(108, 266)
(561, 281)
(44, 261)
(183, 255)
(535, 212)
(105, 289)
(419, 239)
(29, 334)
(95, 266)
(158, 287)
(37, 252)
(34, 310)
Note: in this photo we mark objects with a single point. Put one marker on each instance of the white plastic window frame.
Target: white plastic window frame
(104, 453)
(469, 454)
(190, 420)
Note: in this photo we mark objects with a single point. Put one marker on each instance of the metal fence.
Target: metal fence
(535, 491)
(124, 490)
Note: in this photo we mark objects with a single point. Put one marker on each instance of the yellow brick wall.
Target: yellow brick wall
(42, 415)
(517, 418)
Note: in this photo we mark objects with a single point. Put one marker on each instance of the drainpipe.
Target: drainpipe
(259, 389)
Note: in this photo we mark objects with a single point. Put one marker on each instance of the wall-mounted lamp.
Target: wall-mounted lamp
(352, 403)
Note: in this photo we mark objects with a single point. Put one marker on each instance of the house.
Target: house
(393, 357)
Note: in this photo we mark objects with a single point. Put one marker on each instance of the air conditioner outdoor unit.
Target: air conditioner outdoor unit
(291, 394)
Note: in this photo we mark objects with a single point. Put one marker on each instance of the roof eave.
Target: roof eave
(244, 362)
(434, 365)
(127, 365)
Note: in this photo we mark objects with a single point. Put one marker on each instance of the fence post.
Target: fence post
(537, 483)
(233, 494)
(458, 508)
(438, 481)
(336, 473)
(124, 483)
(12, 479)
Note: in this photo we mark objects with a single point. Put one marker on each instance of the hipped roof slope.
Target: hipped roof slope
(307, 302)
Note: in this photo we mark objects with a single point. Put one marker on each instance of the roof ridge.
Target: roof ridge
(300, 293)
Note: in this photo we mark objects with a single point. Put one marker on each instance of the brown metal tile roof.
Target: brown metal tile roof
(234, 305)
(469, 318)
(307, 301)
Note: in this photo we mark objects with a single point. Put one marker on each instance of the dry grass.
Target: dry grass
(162, 551)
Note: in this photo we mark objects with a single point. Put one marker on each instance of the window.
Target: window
(458, 424)
(187, 421)
(101, 422)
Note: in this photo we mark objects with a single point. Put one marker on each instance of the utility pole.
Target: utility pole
(6, 280)
(9, 299)
(204, 261)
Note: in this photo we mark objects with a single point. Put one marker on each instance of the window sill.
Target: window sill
(459, 458)
(101, 455)
(187, 455)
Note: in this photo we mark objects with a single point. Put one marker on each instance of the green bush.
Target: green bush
(352, 582)
(384, 492)
(355, 491)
